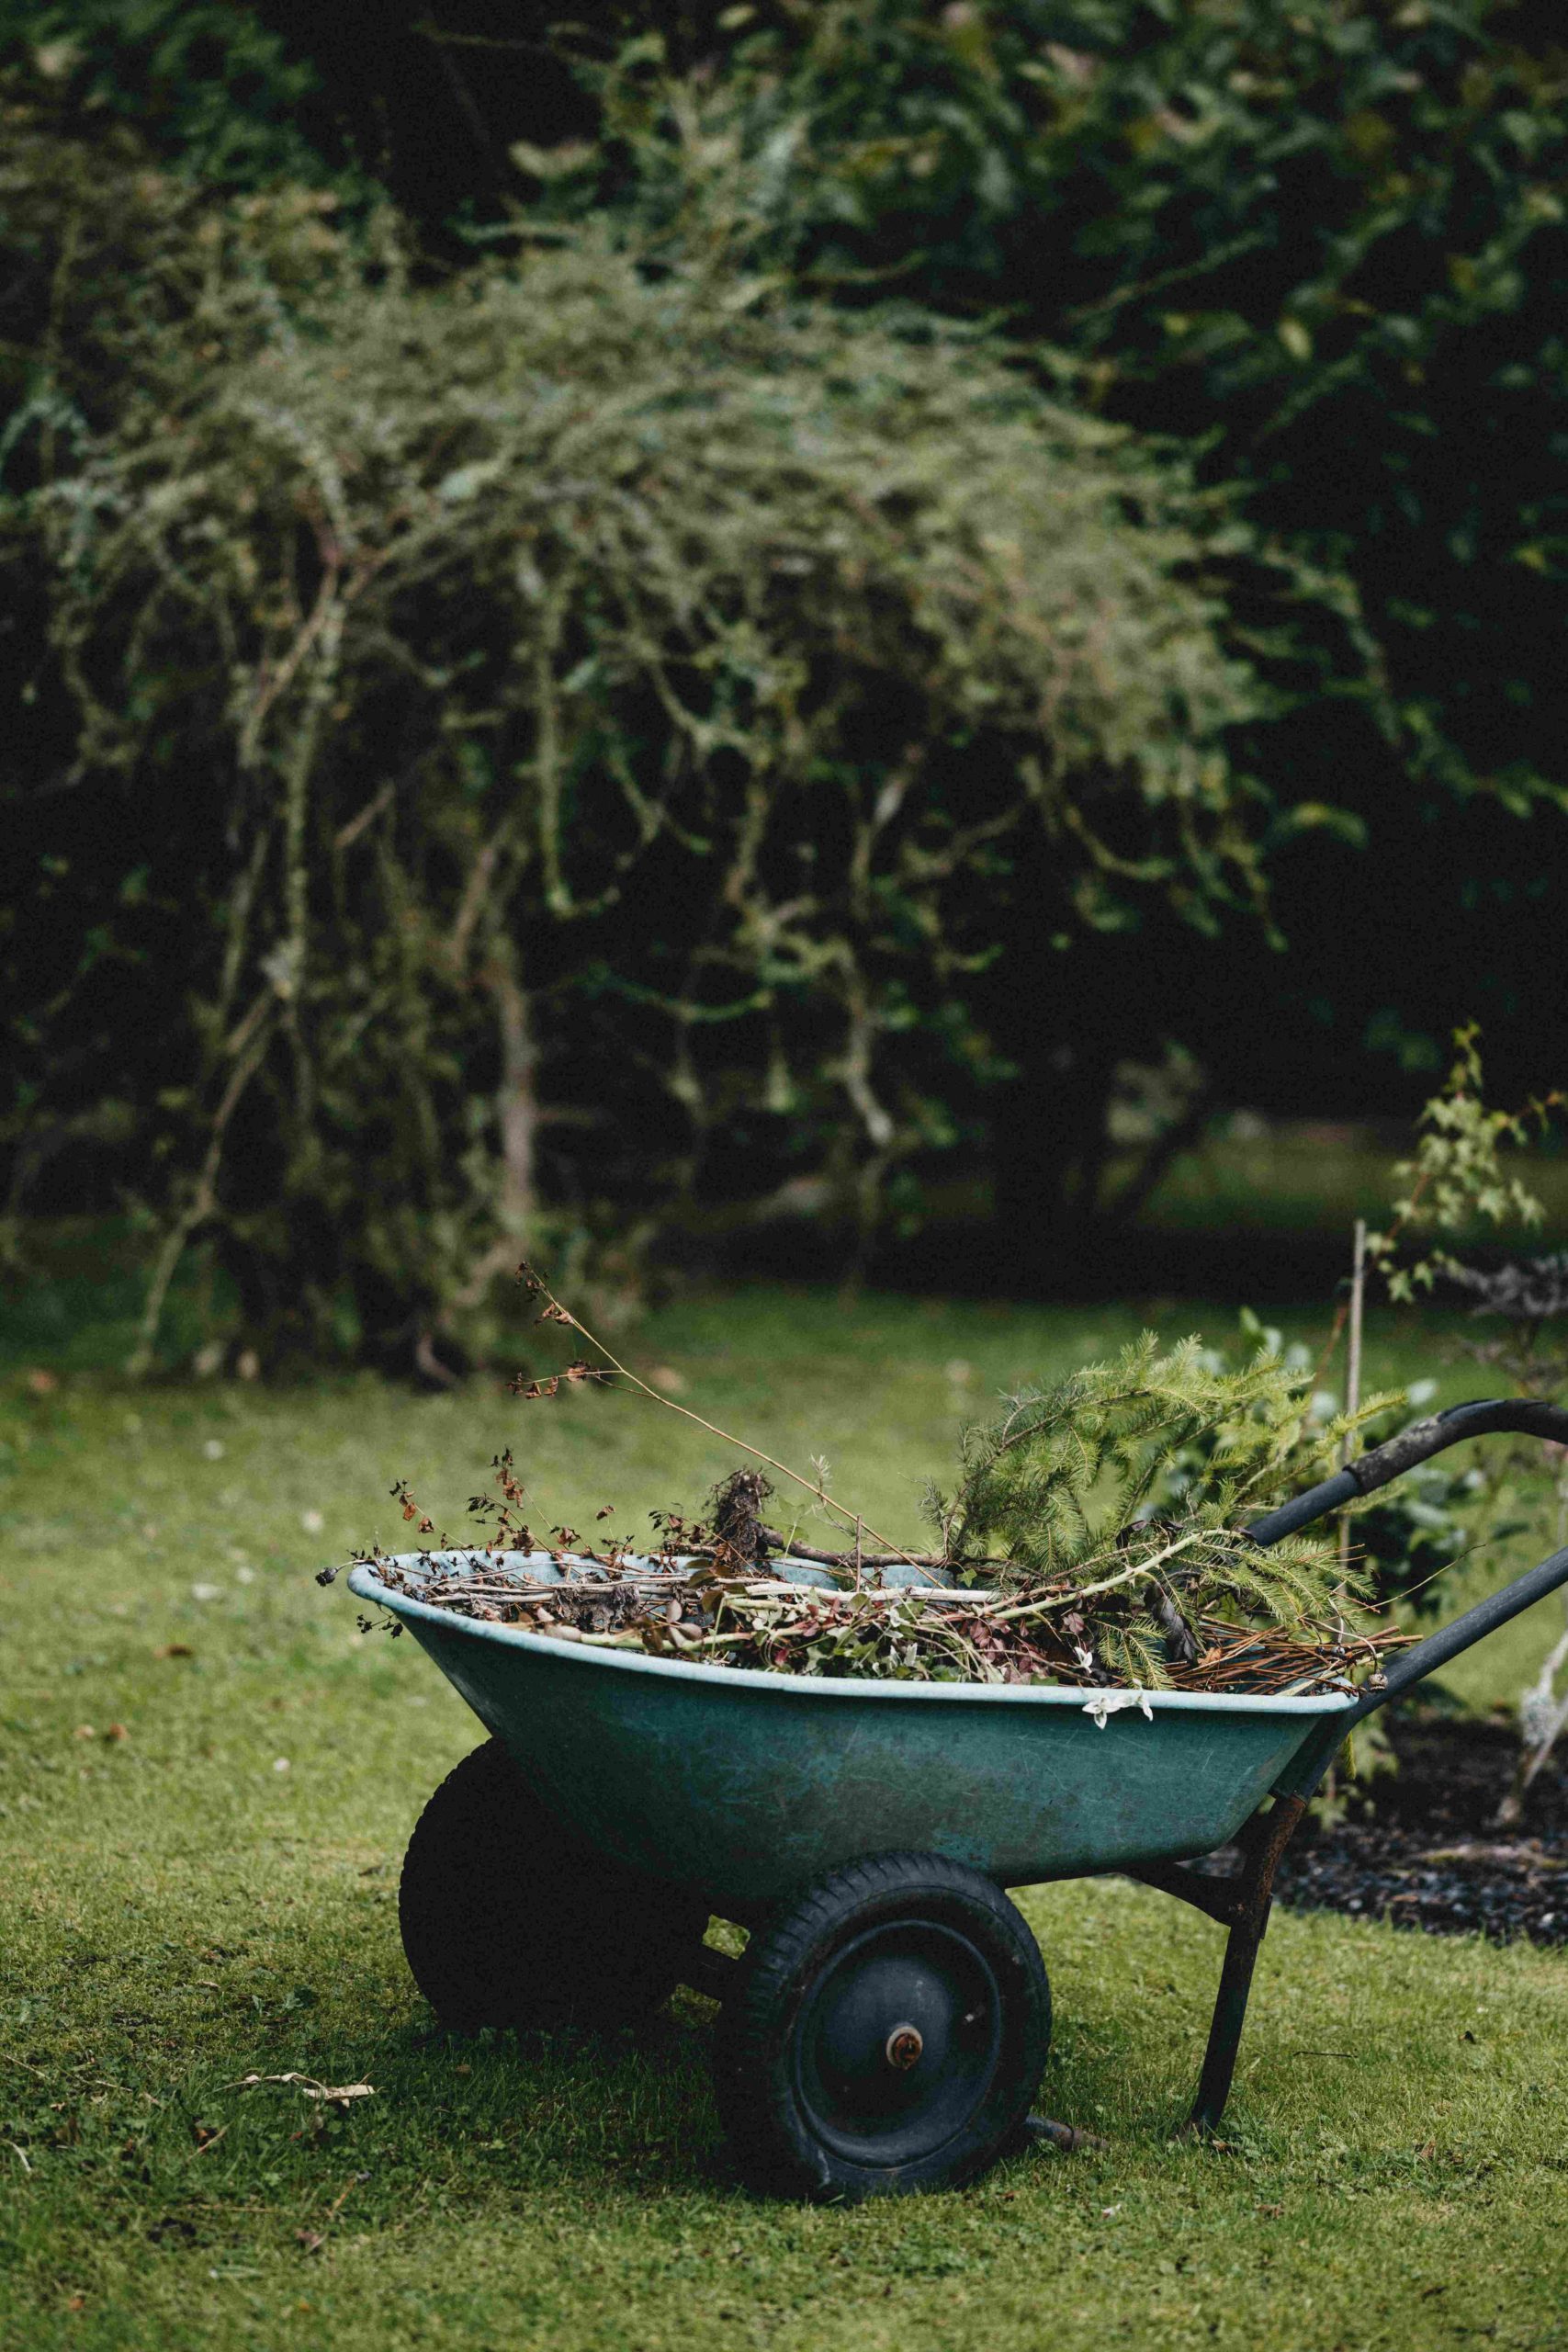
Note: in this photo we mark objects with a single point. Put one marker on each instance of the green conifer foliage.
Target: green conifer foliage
(1125, 1487)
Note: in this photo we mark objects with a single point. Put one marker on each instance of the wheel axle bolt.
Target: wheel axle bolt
(903, 2047)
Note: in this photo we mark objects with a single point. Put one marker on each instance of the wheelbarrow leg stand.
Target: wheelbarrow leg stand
(1242, 1903)
(1252, 1898)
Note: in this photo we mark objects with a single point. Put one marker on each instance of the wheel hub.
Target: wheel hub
(898, 2042)
(903, 2047)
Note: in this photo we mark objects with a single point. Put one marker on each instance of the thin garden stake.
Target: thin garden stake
(1353, 1370)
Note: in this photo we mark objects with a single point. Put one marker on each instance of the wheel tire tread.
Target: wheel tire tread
(492, 1887)
(771, 2149)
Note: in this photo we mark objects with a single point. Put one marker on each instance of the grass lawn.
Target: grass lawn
(208, 1779)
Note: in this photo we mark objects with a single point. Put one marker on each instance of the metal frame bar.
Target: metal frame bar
(1241, 1902)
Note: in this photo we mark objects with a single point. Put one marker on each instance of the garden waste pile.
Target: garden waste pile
(688, 1608)
(1094, 1536)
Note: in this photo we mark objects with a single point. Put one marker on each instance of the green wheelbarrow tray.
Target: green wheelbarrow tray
(739, 1785)
(737, 1789)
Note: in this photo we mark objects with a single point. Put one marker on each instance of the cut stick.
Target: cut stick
(1353, 1367)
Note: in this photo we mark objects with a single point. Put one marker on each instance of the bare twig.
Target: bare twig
(559, 1314)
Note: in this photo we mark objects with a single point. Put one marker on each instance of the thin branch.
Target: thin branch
(812, 1486)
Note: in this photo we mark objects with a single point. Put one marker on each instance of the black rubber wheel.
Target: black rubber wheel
(508, 1920)
(885, 2033)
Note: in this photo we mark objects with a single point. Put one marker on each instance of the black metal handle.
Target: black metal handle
(1414, 1665)
(1363, 1476)
(1486, 1416)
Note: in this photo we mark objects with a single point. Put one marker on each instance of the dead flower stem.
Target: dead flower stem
(812, 1486)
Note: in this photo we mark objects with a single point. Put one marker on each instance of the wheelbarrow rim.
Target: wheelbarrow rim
(364, 1582)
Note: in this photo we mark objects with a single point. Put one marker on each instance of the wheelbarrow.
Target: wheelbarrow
(887, 2026)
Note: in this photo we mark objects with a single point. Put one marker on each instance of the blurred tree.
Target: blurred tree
(208, 87)
(1325, 244)
(1321, 243)
(495, 739)
(427, 97)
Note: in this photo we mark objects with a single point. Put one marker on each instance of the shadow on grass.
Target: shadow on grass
(504, 2110)
(467, 2119)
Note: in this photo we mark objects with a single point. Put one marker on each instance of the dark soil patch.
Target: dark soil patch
(1421, 1846)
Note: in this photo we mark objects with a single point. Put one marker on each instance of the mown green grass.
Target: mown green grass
(1295, 1177)
(181, 1912)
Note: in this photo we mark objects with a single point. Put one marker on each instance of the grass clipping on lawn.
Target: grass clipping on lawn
(1094, 1536)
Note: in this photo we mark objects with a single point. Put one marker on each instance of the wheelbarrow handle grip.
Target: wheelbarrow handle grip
(1418, 1443)
(1486, 1416)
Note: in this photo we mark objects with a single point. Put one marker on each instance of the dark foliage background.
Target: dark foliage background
(1311, 259)
(1325, 246)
